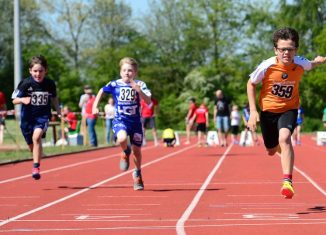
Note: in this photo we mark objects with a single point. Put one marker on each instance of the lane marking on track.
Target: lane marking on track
(185, 216)
(67, 166)
(314, 183)
(92, 187)
(156, 227)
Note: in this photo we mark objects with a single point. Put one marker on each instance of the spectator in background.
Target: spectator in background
(222, 117)
(168, 137)
(235, 123)
(189, 123)
(324, 118)
(70, 118)
(82, 104)
(148, 114)
(296, 136)
(202, 121)
(90, 117)
(245, 118)
(3, 111)
(109, 110)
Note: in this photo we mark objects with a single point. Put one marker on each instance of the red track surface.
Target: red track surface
(188, 190)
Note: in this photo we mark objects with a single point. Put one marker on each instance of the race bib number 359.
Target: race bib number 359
(283, 91)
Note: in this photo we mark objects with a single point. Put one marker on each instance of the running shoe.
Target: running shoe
(36, 173)
(124, 161)
(138, 181)
(287, 190)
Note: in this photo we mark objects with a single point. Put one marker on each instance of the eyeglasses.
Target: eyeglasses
(289, 49)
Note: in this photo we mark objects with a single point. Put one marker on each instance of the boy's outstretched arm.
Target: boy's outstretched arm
(318, 61)
(97, 101)
(254, 116)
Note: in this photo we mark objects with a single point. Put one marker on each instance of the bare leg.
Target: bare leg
(155, 136)
(37, 145)
(287, 153)
(122, 139)
(137, 156)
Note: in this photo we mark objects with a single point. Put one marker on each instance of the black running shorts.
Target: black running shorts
(271, 123)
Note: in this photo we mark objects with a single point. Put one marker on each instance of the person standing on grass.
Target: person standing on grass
(36, 93)
(3, 112)
(235, 118)
(201, 118)
(189, 123)
(279, 101)
(324, 118)
(148, 114)
(127, 93)
(245, 118)
(109, 111)
(296, 136)
(222, 117)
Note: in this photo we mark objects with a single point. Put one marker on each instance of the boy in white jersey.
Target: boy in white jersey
(279, 99)
(127, 92)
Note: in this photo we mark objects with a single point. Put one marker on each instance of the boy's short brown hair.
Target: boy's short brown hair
(285, 34)
(129, 60)
(39, 59)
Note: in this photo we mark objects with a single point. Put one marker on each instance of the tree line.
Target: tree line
(185, 48)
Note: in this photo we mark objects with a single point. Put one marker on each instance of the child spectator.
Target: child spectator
(109, 111)
(202, 121)
(168, 137)
(235, 123)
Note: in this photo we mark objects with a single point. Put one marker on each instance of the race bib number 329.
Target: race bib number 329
(127, 94)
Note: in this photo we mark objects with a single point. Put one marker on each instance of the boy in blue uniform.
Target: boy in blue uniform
(35, 93)
(127, 92)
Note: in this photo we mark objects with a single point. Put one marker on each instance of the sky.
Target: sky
(139, 7)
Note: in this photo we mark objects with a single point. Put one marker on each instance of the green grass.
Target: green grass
(19, 150)
(15, 147)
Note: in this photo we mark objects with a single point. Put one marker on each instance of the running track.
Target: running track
(188, 190)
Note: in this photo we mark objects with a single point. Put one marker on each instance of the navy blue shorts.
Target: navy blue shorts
(28, 127)
(134, 130)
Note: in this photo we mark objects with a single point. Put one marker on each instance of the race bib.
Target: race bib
(127, 94)
(39, 98)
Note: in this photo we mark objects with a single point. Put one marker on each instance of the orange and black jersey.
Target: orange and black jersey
(280, 83)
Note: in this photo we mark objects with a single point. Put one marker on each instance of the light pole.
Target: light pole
(17, 51)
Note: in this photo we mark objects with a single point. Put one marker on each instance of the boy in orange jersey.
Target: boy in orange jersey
(279, 99)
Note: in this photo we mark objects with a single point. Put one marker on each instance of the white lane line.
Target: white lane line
(67, 166)
(320, 189)
(180, 224)
(90, 187)
(314, 183)
(157, 227)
